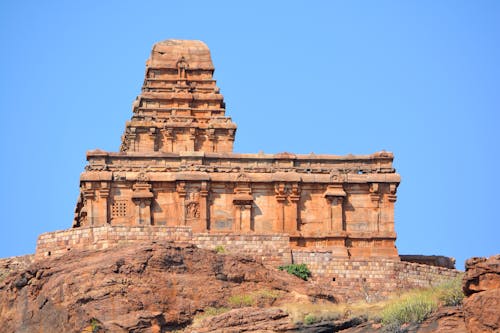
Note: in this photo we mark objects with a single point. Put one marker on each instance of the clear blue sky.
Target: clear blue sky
(418, 78)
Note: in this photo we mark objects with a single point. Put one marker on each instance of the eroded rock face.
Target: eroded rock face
(139, 288)
(482, 285)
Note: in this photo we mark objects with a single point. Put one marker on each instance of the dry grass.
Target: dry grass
(408, 307)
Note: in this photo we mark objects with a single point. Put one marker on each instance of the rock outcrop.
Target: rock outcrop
(482, 286)
(135, 288)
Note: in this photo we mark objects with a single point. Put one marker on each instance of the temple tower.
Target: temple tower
(180, 107)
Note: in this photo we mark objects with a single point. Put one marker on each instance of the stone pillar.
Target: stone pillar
(192, 139)
(211, 139)
(243, 201)
(292, 225)
(133, 139)
(387, 210)
(281, 199)
(142, 197)
(204, 206)
(168, 140)
(335, 196)
(89, 197)
(181, 191)
(375, 198)
(152, 137)
(102, 215)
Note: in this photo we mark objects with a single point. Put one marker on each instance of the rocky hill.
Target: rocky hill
(179, 287)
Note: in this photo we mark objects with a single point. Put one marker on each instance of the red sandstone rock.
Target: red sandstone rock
(481, 274)
(482, 284)
(139, 288)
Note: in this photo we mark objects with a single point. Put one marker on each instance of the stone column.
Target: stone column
(375, 198)
(292, 225)
(133, 138)
(387, 210)
(168, 140)
(192, 139)
(142, 197)
(243, 201)
(181, 191)
(211, 139)
(335, 196)
(102, 217)
(281, 199)
(204, 205)
(152, 137)
(89, 197)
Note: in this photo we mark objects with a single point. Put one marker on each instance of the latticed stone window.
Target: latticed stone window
(119, 209)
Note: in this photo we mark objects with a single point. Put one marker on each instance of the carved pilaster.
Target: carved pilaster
(181, 192)
(102, 217)
(281, 198)
(243, 201)
(132, 139)
(375, 198)
(142, 197)
(168, 140)
(88, 196)
(153, 138)
(292, 223)
(335, 196)
(204, 190)
(192, 138)
(211, 139)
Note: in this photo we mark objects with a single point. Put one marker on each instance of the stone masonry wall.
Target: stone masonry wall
(352, 279)
(369, 279)
(59, 242)
(273, 250)
(270, 249)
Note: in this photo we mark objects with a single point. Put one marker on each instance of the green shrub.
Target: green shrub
(413, 309)
(310, 319)
(450, 293)
(299, 270)
(95, 325)
(220, 249)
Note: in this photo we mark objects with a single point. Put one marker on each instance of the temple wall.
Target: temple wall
(349, 219)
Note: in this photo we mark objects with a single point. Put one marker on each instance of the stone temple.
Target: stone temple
(176, 168)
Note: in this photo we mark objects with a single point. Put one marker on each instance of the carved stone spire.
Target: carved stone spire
(180, 107)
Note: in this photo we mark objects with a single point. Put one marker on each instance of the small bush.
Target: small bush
(450, 293)
(310, 319)
(95, 325)
(212, 311)
(299, 270)
(412, 309)
(220, 249)
(239, 301)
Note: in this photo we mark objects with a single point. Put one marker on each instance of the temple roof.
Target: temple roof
(167, 54)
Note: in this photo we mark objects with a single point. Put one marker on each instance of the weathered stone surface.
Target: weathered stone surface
(481, 274)
(482, 285)
(139, 288)
(439, 261)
